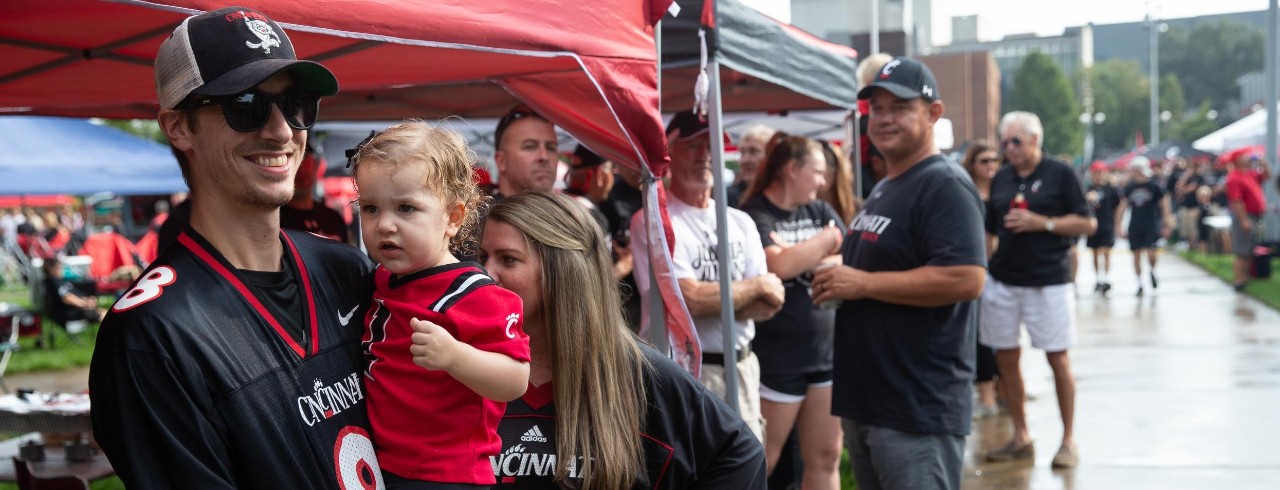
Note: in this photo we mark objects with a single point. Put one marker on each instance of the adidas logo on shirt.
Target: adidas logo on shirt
(533, 435)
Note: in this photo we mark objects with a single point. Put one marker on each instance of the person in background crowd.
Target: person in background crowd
(525, 152)
(913, 266)
(623, 203)
(303, 212)
(798, 231)
(757, 293)
(444, 345)
(223, 365)
(751, 147)
(1103, 198)
(1149, 217)
(838, 190)
(872, 167)
(590, 179)
(609, 411)
(61, 301)
(1204, 209)
(1037, 207)
(1247, 203)
(981, 161)
(1185, 190)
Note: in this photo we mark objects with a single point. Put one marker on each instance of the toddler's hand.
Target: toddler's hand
(433, 347)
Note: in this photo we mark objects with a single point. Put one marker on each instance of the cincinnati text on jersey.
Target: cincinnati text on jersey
(327, 401)
(871, 226)
(514, 462)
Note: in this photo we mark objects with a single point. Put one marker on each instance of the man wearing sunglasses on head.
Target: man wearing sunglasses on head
(525, 152)
(1036, 210)
(233, 361)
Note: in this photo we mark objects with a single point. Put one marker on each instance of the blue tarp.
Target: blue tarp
(54, 155)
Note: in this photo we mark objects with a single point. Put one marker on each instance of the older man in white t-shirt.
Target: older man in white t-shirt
(757, 293)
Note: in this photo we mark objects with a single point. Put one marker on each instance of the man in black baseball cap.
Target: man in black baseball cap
(913, 264)
(233, 362)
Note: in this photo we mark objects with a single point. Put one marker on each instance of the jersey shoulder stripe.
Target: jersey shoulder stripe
(463, 284)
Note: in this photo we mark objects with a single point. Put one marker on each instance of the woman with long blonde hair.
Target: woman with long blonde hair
(602, 411)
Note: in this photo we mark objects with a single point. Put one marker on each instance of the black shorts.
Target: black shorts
(791, 387)
(1140, 238)
(1101, 239)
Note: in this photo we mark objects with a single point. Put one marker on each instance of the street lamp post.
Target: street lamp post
(1155, 27)
(1089, 121)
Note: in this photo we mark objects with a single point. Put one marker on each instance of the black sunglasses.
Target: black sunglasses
(1015, 141)
(985, 161)
(249, 111)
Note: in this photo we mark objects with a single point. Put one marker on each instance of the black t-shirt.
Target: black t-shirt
(1144, 205)
(1188, 199)
(733, 193)
(798, 338)
(280, 292)
(1103, 200)
(1034, 259)
(320, 219)
(623, 202)
(904, 367)
(54, 289)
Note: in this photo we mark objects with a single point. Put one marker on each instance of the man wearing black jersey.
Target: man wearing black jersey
(913, 268)
(234, 361)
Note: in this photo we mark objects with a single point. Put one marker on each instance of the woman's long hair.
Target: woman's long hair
(598, 367)
(840, 189)
(781, 150)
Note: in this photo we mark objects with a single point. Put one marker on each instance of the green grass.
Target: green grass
(1265, 290)
(112, 483)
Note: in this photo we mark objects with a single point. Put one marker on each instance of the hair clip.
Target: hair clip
(351, 153)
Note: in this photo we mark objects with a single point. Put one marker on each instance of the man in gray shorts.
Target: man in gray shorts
(904, 337)
(1247, 202)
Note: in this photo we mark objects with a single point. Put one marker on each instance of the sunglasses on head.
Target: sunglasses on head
(1015, 141)
(511, 117)
(249, 111)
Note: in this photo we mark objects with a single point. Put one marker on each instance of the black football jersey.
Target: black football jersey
(690, 438)
(196, 382)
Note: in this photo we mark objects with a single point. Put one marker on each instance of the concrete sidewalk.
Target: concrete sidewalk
(1177, 389)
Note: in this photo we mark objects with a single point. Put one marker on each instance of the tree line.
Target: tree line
(1199, 68)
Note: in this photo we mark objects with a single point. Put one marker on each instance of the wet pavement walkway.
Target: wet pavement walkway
(1177, 389)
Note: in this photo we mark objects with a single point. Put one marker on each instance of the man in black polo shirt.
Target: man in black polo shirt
(1036, 210)
(913, 266)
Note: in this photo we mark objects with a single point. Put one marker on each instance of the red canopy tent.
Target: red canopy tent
(591, 71)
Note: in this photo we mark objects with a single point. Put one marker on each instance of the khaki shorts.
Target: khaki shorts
(1188, 224)
(748, 390)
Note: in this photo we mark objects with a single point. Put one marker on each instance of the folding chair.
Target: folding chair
(10, 343)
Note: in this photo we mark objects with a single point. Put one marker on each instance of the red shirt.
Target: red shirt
(426, 425)
(1246, 186)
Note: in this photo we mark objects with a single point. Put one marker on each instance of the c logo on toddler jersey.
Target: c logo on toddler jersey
(511, 322)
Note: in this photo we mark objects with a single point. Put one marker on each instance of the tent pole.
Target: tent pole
(730, 334)
(852, 124)
(1270, 221)
(658, 335)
